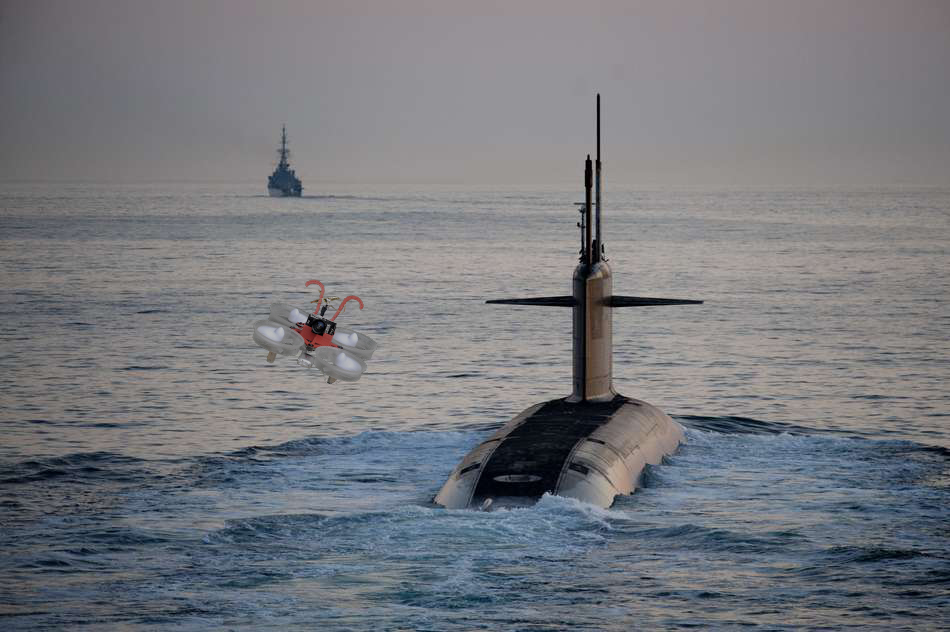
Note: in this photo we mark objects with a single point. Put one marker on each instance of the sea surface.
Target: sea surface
(156, 473)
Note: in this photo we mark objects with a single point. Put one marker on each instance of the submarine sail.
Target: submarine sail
(594, 444)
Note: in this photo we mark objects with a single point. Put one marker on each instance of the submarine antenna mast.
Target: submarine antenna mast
(588, 251)
(598, 243)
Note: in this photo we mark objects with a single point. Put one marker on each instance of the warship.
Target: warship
(594, 444)
(284, 182)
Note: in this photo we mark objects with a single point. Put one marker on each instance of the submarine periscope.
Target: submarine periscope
(594, 444)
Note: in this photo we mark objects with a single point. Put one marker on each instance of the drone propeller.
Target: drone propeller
(297, 316)
(287, 315)
(343, 338)
(274, 334)
(347, 363)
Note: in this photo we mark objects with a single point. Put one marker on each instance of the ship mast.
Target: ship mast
(283, 152)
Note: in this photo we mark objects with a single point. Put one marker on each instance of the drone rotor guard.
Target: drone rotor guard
(325, 358)
(290, 343)
(364, 347)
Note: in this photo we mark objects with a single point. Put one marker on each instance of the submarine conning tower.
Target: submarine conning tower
(593, 444)
(592, 332)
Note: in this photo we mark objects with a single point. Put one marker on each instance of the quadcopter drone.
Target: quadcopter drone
(317, 342)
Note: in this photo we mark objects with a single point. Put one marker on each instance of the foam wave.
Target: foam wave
(421, 529)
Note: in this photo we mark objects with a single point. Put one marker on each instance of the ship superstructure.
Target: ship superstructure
(284, 182)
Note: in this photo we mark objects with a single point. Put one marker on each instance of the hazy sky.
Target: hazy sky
(695, 92)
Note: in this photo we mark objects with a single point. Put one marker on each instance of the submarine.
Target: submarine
(594, 444)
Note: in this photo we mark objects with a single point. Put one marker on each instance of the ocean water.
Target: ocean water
(156, 473)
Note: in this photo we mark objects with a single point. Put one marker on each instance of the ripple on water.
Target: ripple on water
(155, 476)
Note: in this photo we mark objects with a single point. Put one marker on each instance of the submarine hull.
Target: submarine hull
(588, 450)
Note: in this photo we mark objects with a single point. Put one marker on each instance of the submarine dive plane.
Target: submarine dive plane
(593, 444)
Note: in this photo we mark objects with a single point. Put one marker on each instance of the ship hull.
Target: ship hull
(590, 451)
(274, 192)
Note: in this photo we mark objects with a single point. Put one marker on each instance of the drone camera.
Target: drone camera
(321, 326)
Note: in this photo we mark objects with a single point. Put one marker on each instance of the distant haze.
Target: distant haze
(706, 92)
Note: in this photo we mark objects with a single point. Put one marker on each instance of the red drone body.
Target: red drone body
(318, 331)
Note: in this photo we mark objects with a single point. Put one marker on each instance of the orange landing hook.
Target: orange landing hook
(340, 308)
(323, 291)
